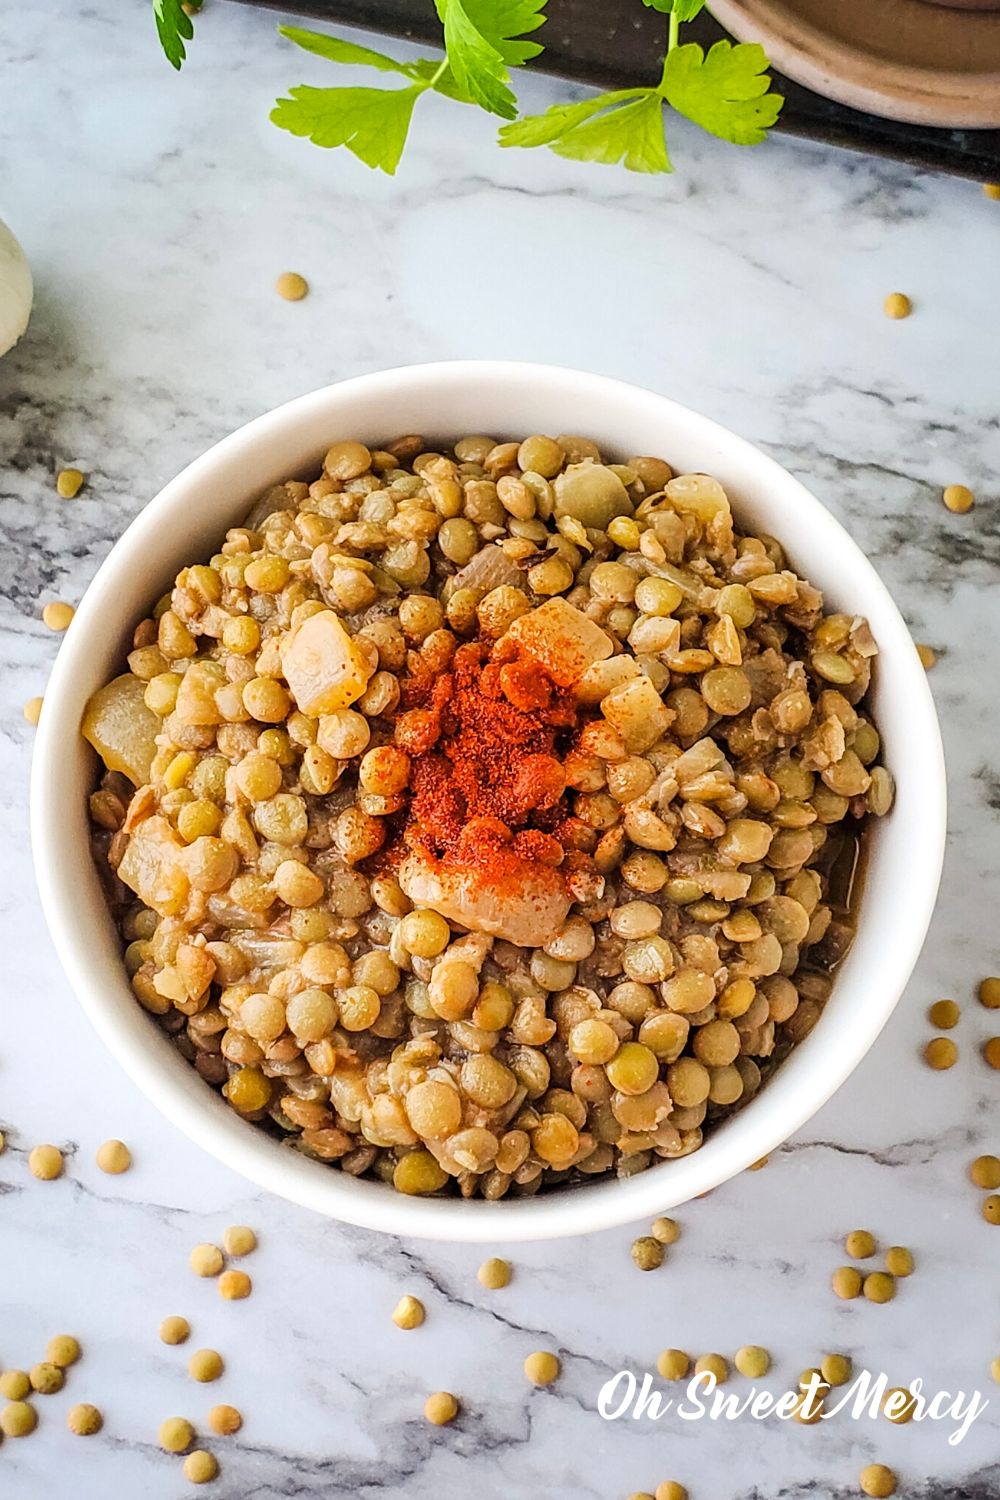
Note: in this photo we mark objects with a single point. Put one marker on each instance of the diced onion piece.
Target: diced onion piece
(121, 728)
(561, 639)
(324, 668)
(152, 866)
(529, 916)
(639, 714)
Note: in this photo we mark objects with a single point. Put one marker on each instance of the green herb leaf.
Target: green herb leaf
(480, 39)
(626, 126)
(373, 123)
(335, 49)
(174, 28)
(725, 92)
(684, 10)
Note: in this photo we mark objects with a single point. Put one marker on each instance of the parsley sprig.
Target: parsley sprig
(727, 91)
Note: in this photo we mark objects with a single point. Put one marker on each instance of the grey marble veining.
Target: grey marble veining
(157, 211)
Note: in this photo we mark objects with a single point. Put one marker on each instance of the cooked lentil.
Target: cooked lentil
(958, 498)
(944, 1014)
(62, 1350)
(752, 1361)
(15, 1384)
(479, 826)
(205, 1365)
(897, 305)
(494, 1273)
(114, 1157)
(441, 1408)
(860, 1244)
(989, 993)
(234, 1285)
(673, 1364)
(542, 1367)
(84, 1419)
(878, 1481)
(239, 1240)
(45, 1162)
(201, 1467)
(225, 1420)
(57, 615)
(175, 1330)
(291, 286)
(846, 1281)
(985, 1172)
(941, 1053)
(206, 1260)
(879, 1286)
(69, 483)
(18, 1419)
(899, 1260)
(647, 1253)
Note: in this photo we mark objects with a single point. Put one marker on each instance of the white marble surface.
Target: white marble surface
(157, 211)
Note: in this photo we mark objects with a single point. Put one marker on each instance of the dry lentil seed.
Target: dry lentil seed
(991, 1051)
(45, 1163)
(669, 1489)
(69, 483)
(985, 1172)
(879, 1286)
(205, 1365)
(992, 190)
(84, 1420)
(441, 1408)
(673, 1364)
(175, 1435)
(234, 1285)
(712, 1364)
(200, 1467)
(944, 1014)
(494, 1273)
(174, 1330)
(18, 1419)
(847, 1281)
(114, 1157)
(898, 1405)
(15, 1384)
(57, 615)
(206, 1260)
(995, 1369)
(989, 993)
(897, 305)
(46, 1378)
(991, 1208)
(877, 1481)
(667, 1231)
(899, 1261)
(836, 1369)
(224, 1420)
(958, 498)
(408, 1313)
(860, 1244)
(33, 710)
(542, 1367)
(941, 1052)
(291, 286)
(928, 656)
(647, 1253)
(752, 1361)
(62, 1350)
(239, 1240)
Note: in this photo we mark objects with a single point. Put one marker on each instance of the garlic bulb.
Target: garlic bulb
(15, 290)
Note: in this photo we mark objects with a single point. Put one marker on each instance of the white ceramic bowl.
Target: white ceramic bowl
(186, 521)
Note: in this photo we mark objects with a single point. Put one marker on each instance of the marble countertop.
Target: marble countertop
(157, 211)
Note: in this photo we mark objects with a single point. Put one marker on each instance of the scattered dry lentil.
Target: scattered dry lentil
(200, 1467)
(667, 1231)
(941, 1053)
(712, 1364)
(991, 1209)
(846, 1282)
(958, 498)
(985, 1172)
(647, 1252)
(542, 1367)
(45, 1162)
(752, 1361)
(989, 993)
(33, 710)
(69, 483)
(234, 1285)
(756, 1166)
(17, 1419)
(670, 1490)
(291, 286)
(206, 1260)
(992, 190)
(114, 1157)
(408, 1313)
(441, 1408)
(673, 1364)
(174, 1330)
(860, 1244)
(899, 1404)
(15, 1384)
(494, 1273)
(991, 1051)
(928, 656)
(46, 1378)
(176, 1434)
(878, 1481)
(836, 1369)
(897, 305)
(899, 1260)
(205, 1365)
(225, 1420)
(84, 1419)
(3, 1142)
(995, 1369)
(57, 615)
(944, 1014)
(239, 1240)
(879, 1286)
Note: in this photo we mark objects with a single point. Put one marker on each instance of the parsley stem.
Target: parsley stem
(673, 34)
(432, 81)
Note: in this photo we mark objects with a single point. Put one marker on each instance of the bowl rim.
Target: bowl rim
(173, 1086)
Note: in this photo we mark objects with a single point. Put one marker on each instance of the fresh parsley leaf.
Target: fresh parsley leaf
(335, 49)
(725, 92)
(174, 28)
(626, 126)
(684, 10)
(373, 123)
(480, 37)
